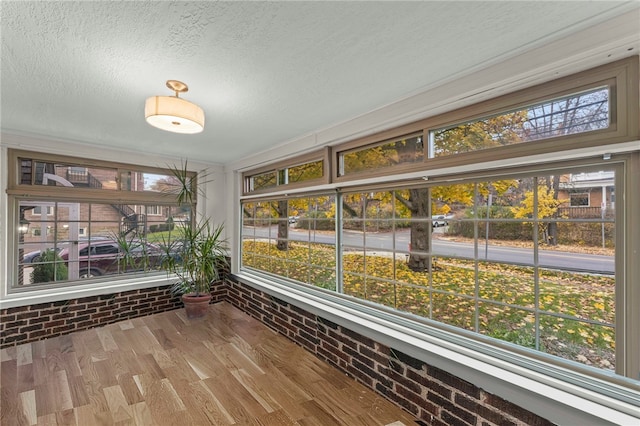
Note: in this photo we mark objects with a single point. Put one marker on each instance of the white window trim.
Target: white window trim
(86, 289)
(157, 210)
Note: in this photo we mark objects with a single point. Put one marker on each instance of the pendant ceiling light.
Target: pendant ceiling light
(173, 114)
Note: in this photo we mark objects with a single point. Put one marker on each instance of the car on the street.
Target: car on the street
(98, 258)
(438, 220)
(441, 220)
(34, 256)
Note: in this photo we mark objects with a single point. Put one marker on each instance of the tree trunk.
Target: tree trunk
(420, 231)
(283, 225)
(552, 229)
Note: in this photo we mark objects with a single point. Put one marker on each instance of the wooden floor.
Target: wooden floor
(227, 369)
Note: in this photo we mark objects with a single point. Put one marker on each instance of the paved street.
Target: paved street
(567, 261)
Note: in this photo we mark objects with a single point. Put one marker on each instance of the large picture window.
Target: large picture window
(490, 256)
(79, 222)
(292, 238)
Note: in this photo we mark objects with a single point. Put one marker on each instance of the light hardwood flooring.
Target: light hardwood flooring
(226, 369)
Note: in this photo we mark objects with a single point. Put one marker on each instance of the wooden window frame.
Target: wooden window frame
(321, 155)
(621, 77)
(18, 192)
(85, 194)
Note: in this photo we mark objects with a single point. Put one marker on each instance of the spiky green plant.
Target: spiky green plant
(197, 256)
(196, 253)
(188, 184)
(133, 253)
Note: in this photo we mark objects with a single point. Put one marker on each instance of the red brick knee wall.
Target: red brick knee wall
(30, 323)
(431, 394)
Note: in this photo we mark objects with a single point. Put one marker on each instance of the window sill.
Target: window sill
(53, 294)
(566, 397)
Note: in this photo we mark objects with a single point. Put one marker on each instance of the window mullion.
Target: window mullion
(339, 245)
(536, 266)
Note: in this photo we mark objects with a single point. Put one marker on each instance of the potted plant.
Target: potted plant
(197, 255)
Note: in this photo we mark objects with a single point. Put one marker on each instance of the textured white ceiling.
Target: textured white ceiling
(264, 72)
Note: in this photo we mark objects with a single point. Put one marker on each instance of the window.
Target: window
(77, 174)
(154, 210)
(591, 109)
(293, 238)
(533, 259)
(493, 268)
(37, 210)
(404, 150)
(305, 170)
(263, 181)
(94, 214)
(579, 199)
(568, 115)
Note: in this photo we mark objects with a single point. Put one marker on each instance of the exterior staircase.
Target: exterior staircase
(131, 222)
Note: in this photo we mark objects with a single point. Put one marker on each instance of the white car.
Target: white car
(439, 220)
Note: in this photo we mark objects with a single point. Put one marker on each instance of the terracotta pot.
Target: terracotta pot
(196, 306)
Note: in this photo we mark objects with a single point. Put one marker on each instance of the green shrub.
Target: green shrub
(50, 267)
(586, 234)
(497, 230)
(316, 221)
(162, 227)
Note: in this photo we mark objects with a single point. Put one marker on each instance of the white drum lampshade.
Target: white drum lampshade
(173, 114)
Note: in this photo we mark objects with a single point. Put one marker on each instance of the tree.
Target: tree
(492, 132)
(579, 113)
(547, 207)
(553, 186)
(417, 203)
(281, 208)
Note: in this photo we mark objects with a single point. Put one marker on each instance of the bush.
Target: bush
(586, 234)
(161, 227)
(316, 221)
(569, 233)
(497, 230)
(319, 225)
(50, 267)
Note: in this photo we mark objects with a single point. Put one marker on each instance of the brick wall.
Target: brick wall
(35, 322)
(431, 394)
